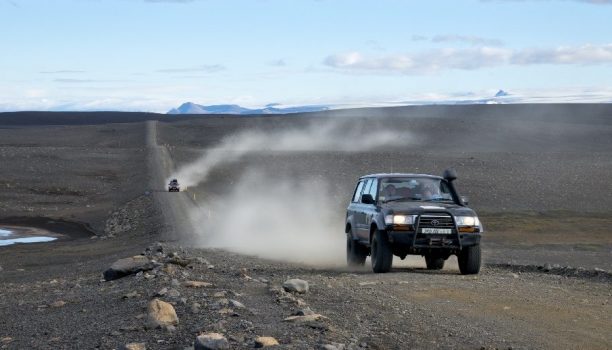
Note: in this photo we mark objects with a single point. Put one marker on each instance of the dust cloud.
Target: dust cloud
(278, 216)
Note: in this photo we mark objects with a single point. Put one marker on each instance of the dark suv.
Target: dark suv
(401, 214)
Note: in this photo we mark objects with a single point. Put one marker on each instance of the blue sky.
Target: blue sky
(154, 55)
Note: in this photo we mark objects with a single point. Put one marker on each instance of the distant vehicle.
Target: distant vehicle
(174, 186)
(402, 214)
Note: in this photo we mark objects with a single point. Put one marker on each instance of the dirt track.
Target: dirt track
(503, 307)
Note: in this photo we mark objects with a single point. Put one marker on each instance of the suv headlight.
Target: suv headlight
(400, 219)
(468, 224)
(467, 221)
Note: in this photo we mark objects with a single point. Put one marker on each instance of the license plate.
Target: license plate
(436, 231)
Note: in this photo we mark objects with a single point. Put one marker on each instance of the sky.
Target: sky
(153, 55)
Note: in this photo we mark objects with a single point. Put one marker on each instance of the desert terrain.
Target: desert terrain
(538, 175)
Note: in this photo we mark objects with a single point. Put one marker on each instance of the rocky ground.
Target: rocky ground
(546, 284)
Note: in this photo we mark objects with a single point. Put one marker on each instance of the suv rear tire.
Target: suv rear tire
(356, 254)
(434, 263)
(469, 260)
(381, 256)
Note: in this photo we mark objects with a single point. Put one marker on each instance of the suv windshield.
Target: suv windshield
(413, 189)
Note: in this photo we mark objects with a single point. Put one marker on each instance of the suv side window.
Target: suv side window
(373, 188)
(357, 194)
(366, 188)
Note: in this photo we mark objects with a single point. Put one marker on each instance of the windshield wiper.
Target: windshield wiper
(401, 198)
(438, 199)
(394, 199)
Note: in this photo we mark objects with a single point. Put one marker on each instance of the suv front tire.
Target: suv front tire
(469, 260)
(382, 256)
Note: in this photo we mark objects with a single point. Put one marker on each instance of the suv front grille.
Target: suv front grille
(436, 221)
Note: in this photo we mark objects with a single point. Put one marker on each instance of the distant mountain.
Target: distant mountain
(501, 93)
(499, 98)
(273, 108)
(192, 108)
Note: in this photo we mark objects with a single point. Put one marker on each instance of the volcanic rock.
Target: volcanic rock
(128, 266)
(296, 285)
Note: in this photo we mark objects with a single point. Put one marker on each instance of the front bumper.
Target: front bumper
(407, 239)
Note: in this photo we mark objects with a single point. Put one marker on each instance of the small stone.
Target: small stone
(134, 346)
(162, 292)
(195, 308)
(326, 347)
(305, 318)
(304, 312)
(296, 285)
(169, 269)
(131, 295)
(368, 283)
(226, 311)
(221, 303)
(197, 284)
(211, 341)
(261, 342)
(173, 293)
(161, 314)
(334, 346)
(220, 294)
(514, 275)
(237, 304)
(58, 303)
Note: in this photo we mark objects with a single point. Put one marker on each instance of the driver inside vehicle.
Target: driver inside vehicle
(431, 192)
(389, 191)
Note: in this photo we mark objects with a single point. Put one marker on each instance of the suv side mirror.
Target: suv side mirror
(367, 199)
(465, 200)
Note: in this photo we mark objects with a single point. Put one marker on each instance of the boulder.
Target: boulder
(262, 342)
(128, 266)
(296, 285)
(161, 314)
(211, 341)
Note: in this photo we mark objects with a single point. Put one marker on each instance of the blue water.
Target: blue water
(8, 238)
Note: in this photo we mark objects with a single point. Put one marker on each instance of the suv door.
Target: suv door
(369, 210)
(363, 227)
(352, 212)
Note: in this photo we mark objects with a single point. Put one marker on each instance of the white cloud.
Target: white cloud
(470, 58)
